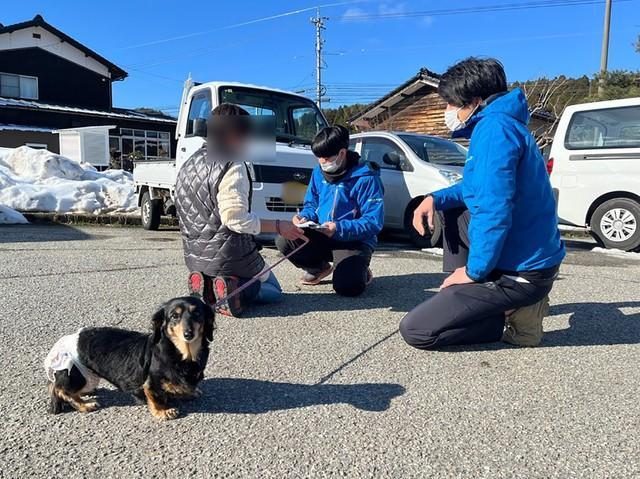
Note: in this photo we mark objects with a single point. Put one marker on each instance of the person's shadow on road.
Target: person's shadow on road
(252, 396)
(590, 324)
(593, 324)
(397, 293)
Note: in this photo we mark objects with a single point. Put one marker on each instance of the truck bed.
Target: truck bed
(155, 173)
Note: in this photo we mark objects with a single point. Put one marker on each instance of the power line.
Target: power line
(237, 25)
(482, 9)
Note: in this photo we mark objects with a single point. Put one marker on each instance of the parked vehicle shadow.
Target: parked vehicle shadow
(398, 293)
(252, 396)
(40, 233)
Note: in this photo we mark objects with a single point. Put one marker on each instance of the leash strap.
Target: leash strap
(264, 271)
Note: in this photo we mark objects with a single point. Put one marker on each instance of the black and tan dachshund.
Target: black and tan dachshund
(156, 368)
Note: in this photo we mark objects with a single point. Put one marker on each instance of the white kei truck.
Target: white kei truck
(279, 182)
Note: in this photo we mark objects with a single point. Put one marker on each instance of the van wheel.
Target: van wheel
(616, 224)
(150, 212)
(430, 239)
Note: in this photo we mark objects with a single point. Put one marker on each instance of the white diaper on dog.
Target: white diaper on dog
(64, 355)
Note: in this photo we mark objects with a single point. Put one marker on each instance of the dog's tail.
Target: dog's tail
(56, 404)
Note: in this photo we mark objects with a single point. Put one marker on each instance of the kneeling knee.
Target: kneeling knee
(348, 288)
(415, 336)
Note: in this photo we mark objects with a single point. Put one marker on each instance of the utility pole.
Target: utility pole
(318, 21)
(604, 56)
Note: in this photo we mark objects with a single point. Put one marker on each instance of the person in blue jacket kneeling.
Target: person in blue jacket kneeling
(345, 198)
(501, 240)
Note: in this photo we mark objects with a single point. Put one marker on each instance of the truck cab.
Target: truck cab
(279, 181)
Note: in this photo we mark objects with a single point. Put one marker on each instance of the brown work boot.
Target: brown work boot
(523, 327)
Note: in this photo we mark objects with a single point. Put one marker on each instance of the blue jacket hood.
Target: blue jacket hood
(513, 103)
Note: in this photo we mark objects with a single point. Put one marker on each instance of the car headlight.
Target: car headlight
(451, 176)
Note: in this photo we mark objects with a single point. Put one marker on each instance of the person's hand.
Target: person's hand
(459, 276)
(328, 228)
(425, 209)
(297, 220)
(290, 231)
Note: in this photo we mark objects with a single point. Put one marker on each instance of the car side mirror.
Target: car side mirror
(392, 158)
(200, 127)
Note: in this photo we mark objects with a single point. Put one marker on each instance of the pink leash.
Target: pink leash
(257, 276)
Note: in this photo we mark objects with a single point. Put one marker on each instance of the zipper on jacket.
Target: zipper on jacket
(335, 201)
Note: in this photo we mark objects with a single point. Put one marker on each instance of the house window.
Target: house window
(18, 86)
(150, 145)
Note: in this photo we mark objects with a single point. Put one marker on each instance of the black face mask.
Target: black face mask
(350, 161)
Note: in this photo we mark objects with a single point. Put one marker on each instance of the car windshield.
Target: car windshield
(436, 150)
(296, 119)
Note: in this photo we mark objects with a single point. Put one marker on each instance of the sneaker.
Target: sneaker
(196, 284)
(523, 327)
(310, 279)
(222, 286)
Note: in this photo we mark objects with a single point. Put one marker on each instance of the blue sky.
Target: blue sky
(160, 42)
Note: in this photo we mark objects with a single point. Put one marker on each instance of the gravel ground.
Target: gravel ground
(320, 386)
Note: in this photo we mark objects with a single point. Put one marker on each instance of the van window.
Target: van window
(606, 128)
(200, 109)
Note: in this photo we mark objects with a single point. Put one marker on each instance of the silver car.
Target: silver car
(412, 165)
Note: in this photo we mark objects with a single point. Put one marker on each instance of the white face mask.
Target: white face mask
(331, 166)
(453, 122)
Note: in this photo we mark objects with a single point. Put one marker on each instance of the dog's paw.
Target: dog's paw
(166, 414)
(89, 406)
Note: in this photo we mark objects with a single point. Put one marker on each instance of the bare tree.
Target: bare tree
(547, 100)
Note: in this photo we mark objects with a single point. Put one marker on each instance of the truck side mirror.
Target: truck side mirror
(200, 127)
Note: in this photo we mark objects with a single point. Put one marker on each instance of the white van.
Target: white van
(279, 182)
(594, 165)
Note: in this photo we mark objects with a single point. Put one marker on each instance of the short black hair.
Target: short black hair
(472, 78)
(330, 140)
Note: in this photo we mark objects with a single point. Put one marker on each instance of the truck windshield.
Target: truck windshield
(436, 150)
(296, 119)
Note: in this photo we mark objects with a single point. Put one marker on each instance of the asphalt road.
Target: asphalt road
(320, 386)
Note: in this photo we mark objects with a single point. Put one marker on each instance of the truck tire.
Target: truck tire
(430, 239)
(616, 224)
(151, 211)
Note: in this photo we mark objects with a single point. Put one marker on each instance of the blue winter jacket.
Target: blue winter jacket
(354, 203)
(506, 188)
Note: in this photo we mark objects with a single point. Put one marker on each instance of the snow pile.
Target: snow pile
(616, 252)
(38, 180)
(11, 217)
(433, 251)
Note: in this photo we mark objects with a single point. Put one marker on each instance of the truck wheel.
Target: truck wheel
(430, 239)
(616, 224)
(150, 212)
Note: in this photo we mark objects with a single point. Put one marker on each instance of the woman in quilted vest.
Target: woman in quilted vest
(213, 203)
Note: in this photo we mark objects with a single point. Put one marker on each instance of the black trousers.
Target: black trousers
(471, 313)
(349, 275)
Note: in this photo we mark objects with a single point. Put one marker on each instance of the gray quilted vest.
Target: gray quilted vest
(209, 247)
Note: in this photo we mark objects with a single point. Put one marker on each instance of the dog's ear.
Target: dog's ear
(157, 322)
(209, 322)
